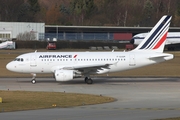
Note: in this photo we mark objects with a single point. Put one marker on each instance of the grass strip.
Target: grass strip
(24, 100)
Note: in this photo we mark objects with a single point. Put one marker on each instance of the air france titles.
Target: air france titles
(55, 56)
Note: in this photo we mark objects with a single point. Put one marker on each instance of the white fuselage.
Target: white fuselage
(47, 62)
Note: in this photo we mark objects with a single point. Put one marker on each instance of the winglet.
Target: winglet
(155, 40)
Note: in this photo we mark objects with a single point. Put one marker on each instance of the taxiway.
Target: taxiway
(137, 98)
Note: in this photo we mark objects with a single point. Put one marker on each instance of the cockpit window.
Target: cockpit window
(19, 59)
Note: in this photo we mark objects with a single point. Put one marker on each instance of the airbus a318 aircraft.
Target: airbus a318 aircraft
(69, 65)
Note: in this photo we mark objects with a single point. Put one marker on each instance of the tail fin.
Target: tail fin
(155, 40)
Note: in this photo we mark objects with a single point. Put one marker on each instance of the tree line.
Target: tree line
(90, 12)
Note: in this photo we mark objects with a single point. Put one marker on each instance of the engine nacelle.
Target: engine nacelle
(64, 75)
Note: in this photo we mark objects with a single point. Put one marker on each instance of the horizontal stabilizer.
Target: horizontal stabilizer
(163, 56)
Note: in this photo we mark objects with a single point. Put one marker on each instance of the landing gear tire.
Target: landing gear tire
(88, 80)
(33, 81)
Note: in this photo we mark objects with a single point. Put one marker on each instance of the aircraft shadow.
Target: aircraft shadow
(103, 80)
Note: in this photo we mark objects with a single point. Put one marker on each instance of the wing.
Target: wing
(93, 69)
(86, 68)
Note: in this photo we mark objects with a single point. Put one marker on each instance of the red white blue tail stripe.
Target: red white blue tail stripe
(155, 40)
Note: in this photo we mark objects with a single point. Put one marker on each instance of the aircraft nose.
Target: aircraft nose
(132, 41)
(9, 66)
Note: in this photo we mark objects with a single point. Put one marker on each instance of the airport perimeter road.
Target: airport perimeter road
(137, 98)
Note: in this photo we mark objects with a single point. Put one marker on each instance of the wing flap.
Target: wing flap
(91, 66)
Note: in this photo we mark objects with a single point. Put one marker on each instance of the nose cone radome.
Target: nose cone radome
(10, 67)
(132, 41)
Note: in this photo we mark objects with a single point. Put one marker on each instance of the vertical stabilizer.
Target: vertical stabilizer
(155, 40)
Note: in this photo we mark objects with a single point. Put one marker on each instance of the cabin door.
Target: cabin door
(132, 60)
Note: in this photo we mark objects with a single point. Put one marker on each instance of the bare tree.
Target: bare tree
(26, 36)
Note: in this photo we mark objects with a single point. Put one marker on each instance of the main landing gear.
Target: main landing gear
(88, 80)
(33, 81)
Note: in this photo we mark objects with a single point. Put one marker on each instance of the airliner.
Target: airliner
(66, 66)
(172, 38)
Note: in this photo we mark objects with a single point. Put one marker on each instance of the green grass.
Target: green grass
(23, 100)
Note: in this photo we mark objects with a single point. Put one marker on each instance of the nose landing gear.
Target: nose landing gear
(33, 81)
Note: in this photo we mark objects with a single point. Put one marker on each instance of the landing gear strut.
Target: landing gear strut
(88, 80)
(33, 81)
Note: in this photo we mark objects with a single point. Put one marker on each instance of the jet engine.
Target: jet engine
(66, 75)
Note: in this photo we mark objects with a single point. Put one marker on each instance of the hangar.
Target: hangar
(10, 30)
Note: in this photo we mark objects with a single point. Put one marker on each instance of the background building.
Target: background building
(40, 31)
(10, 30)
